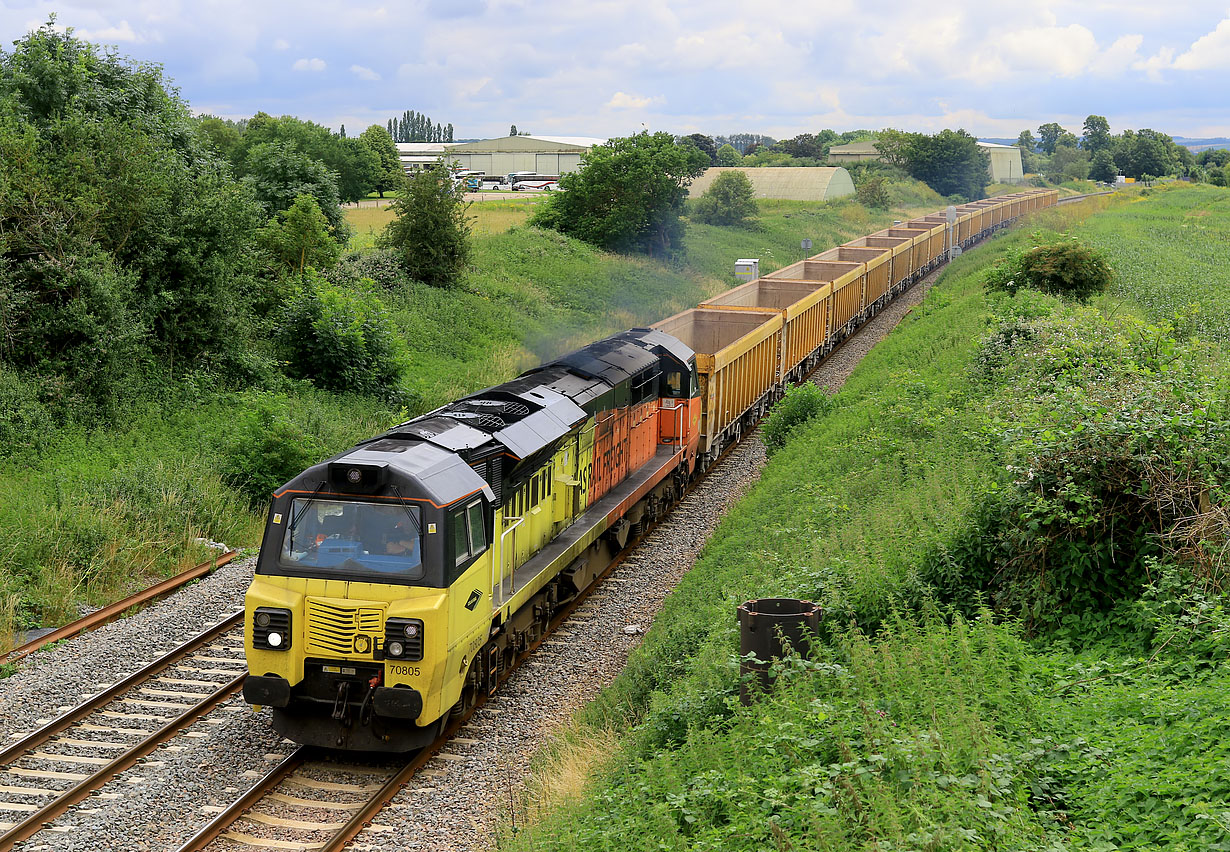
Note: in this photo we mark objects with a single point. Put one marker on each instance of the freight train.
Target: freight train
(398, 581)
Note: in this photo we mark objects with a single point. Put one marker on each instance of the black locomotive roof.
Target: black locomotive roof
(613, 360)
(524, 416)
(419, 469)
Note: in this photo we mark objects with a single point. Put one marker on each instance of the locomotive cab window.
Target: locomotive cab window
(672, 384)
(349, 538)
(469, 532)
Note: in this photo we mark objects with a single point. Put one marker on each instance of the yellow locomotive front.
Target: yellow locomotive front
(351, 634)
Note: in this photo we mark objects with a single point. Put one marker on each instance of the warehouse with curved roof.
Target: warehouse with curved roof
(801, 184)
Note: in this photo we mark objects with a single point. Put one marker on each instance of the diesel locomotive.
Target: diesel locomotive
(397, 580)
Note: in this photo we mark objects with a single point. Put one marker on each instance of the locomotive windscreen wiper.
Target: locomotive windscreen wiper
(297, 516)
(409, 514)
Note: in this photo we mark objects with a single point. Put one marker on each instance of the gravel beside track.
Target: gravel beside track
(456, 802)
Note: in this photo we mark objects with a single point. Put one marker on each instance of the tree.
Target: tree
(705, 144)
(278, 173)
(512, 131)
(222, 134)
(742, 142)
(352, 172)
(808, 145)
(1147, 152)
(1027, 142)
(950, 162)
(430, 231)
(1097, 134)
(124, 241)
(727, 156)
(1067, 163)
(1048, 137)
(1218, 157)
(1102, 168)
(388, 164)
(300, 237)
(729, 200)
(361, 170)
(629, 194)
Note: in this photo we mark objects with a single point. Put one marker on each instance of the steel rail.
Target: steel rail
(40, 819)
(112, 611)
(94, 703)
(224, 820)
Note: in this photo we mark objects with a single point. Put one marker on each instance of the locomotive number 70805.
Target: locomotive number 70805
(405, 671)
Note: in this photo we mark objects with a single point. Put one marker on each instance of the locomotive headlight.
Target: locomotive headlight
(354, 476)
(403, 638)
(271, 628)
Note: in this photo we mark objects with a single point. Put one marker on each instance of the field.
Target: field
(927, 720)
(89, 513)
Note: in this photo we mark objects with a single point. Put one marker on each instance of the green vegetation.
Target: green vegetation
(950, 162)
(1014, 517)
(1098, 155)
(1063, 268)
(430, 231)
(629, 195)
(800, 404)
(729, 200)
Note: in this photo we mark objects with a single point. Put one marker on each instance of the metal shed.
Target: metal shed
(544, 155)
(802, 184)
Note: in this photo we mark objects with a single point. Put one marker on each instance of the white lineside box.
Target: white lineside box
(747, 268)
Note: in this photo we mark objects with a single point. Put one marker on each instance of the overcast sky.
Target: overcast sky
(608, 67)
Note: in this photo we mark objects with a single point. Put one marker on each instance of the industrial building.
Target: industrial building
(544, 155)
(802, 184)
(416, 156)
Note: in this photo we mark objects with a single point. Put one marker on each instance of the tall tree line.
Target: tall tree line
(416, 127)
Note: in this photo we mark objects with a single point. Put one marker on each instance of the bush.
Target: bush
(728, 201)
(873, 193)
(800, 404)
(431, 232)
(340, 339)
(1064, 268)
(268, 450)
(382, 266)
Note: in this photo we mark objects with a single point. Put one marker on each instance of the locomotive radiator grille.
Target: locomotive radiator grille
(332, 628)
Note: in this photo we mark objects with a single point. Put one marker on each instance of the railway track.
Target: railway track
(113, 611)
(69, 758)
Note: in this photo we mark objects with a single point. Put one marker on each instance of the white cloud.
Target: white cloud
(281, 44)
(1209, 52)
(1154, 65)
(111, 35)
(1064, 51)
(1119, 57)
(623, 100)
(309, 65)
(364, 73)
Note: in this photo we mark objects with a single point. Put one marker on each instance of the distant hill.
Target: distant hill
(1198, 145)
